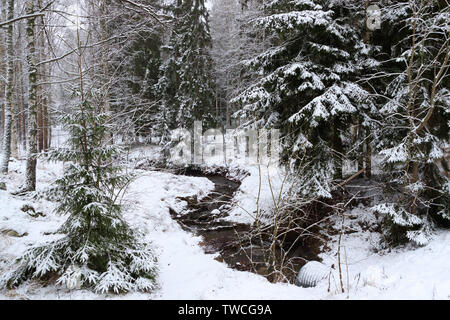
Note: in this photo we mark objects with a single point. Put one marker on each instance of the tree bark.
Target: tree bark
(368, 154)
(104, 35)
(359, 140)
(43, 96)
(6, 145)
(338, 151)
(23, 117)
(14, 133)
(3, 71)
(30, 182)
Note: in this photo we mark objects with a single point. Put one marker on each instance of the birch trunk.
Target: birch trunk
(6, 145)
(3, 71)
(30, 182)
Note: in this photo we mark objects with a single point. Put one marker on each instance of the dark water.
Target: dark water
(219, 236)
(236, 244)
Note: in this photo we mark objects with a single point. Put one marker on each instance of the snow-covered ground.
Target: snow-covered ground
(370, 272)
(186, 272)
(259, 191)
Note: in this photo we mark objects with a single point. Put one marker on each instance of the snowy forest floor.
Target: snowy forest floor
(186, 272)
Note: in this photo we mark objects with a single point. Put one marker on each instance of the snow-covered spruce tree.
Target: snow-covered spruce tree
(186, 83)
(307, 86)
(414, 118)
(99, 249)
(129, 68)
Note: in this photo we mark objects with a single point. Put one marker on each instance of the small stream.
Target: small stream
(206, 218)
(234, 243)
(230, 240)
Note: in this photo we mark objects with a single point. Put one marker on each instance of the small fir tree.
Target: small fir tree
(99, 249)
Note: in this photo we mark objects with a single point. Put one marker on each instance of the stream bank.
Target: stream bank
(234, 243)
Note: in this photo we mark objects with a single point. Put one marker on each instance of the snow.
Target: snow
(375, 273)
(152, 194)
(264, 181)
(406, 274)
(296, 19)
(11, 217)
(400, 216)
(395, 154)
(186, 272)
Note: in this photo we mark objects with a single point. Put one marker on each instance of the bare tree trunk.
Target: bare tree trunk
(368, 140)
(24, 110)
(20, 111)
(49, 128)
(39, 121)
(6, 145)
(360, 138)
(227, 99)
(45, 126)
(43, 93)
(30, 182)
(14, 134)
(17, 112)
(2, 113)
(217, 104)
(40, 92)
(368, 155)
(3, 71)
(104, 34)
(338, 151)
(19, 87)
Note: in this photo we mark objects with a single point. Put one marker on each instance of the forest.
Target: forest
(223, 149)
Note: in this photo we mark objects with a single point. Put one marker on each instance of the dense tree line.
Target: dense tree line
(342, 92)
